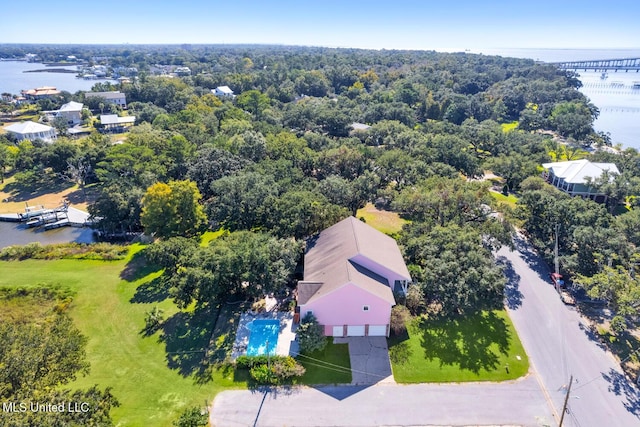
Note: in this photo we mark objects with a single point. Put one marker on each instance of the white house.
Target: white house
(113, 123)
(571, 177)
(32, 131)
(113, 97)
(223, 91)
(71, 111)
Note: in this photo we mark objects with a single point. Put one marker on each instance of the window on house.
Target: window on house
(365, 308)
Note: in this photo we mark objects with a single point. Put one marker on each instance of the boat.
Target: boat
(604, 76)
(33, 211)
(635, 85)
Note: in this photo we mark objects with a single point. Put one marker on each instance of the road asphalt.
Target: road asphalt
(558, 344)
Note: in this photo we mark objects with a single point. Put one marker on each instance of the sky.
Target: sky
(372, 24)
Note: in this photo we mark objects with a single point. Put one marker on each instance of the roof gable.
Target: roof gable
(28, 127)
(330, 260)
(576, 171)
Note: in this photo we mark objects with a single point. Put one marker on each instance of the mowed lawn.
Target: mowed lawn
(111, 314)
(479, 347)
(385, 221)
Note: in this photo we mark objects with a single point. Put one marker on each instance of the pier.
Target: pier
(48, 219)
(614, 65)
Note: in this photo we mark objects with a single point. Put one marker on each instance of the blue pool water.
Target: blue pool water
(263, 338)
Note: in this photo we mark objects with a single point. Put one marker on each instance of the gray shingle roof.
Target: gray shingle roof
(328, 260)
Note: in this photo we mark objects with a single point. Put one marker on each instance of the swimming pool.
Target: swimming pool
(264, 337)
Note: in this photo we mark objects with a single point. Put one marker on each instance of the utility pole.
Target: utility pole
(566, 400)
(555, 251)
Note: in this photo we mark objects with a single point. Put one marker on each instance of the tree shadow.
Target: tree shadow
(469, 342)
(137, 268)
(155, 290)
(512, 294)
(531, 257)
(22, 192)
(186, 336)
(620, 385)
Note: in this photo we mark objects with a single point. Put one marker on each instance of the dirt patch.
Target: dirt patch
(14, 202)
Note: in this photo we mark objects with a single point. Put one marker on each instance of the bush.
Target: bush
(415, 300)
(310, 335)
(94, 251)
(400, 316)
(270, 370)
(192, 417)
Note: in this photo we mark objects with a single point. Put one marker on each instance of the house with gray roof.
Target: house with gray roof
(573, 176)
(351, 271)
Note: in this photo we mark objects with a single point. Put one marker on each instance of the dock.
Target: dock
(615, 65)
(62, 216)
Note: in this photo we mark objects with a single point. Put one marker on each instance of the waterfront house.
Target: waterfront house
(113, 123)
(113, 97)
(572, 177)
(71, 112)
(32, 131)
(40, 93)
(351, 271)
(223, 92)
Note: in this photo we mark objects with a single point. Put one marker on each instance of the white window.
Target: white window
(365, 308)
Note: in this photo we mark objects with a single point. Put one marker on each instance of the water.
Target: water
(264, 337)
(13, 78)
(15, 233)
(619, 104)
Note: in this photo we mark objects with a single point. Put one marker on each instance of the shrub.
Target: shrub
(270, 370)
(310, 335)
(153, 319)
(95, 251)
(192, 417)
(415, 300)
(400, 316)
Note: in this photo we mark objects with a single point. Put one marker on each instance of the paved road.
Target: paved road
(515, 403)
(559, 344)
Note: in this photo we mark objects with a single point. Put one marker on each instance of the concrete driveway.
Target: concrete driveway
(369, 358)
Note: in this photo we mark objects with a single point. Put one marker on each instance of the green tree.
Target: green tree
(36, 358)
(254, 102)
(173, 209)
(311, 335)
(192, 417)
(455, 270)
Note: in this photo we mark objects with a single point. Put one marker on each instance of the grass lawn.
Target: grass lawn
(154, 377)
(329, 366)
(385, 221)
(509, 200)
(479, 347)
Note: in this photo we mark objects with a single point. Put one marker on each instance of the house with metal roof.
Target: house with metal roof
(112, 97)
(351, 271)
(573, 177)
(71, 112)
(223, 91)
(32, 131)
(114, 123)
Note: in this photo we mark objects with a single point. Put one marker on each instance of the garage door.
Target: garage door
(355, 331)
(377, 330)
(338, 331)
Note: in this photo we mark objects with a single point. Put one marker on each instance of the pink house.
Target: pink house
(350, 273)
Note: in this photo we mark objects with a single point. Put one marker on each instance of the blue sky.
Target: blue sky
(399, 24)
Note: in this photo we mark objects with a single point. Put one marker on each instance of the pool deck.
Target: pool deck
(287, 346)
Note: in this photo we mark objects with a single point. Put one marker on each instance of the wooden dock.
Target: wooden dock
(54, 218)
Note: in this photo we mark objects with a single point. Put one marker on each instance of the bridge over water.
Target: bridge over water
(615, 65)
